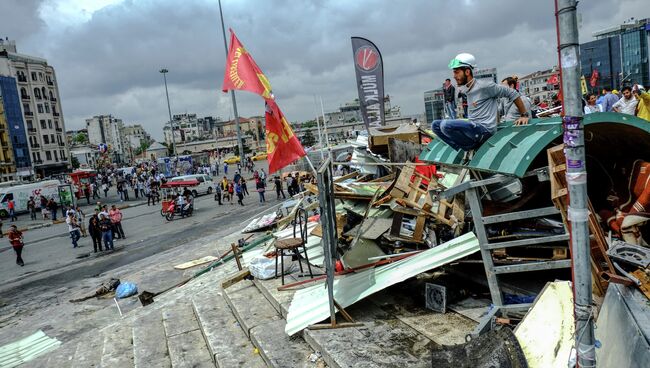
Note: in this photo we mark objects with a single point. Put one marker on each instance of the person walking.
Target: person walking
(116, 219)
(105, 226)
(11, 206)
(243, 186)
(16, 241)
(278, 187)
(231, 191)
(31, 206)
(259, 185)
(105, 189)
(52, 206)
(86, 191)
(240, 193)
(225, 168)
(94, 190)
(73, 228)
(45, 212)
(95, 231)
(81, 220)
(217, 192)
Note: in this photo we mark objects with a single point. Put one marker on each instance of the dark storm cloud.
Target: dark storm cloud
(110, 63)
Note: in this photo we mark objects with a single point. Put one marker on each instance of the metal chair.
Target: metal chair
(294, 244)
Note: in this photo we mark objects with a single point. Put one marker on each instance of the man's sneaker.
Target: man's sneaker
(468, 156)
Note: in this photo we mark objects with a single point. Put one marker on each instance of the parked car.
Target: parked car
(205, 183)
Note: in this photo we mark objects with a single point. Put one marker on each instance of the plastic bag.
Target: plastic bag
(125, 290)
(263, 268)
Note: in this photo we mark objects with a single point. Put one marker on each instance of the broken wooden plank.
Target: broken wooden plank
(239, 276)
(195, 262)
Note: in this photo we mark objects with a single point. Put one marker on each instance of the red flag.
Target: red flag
(282, 146)
(553, 80)
(594, 78)
(242, 72)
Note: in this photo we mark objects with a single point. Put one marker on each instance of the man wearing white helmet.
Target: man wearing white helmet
(482, 102)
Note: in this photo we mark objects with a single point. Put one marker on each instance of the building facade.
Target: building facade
(489, 74)
(40, 122)
(7, 162)
(620, 54)
(536, 86)
(108, 130)
(434, 105)
(135, 136)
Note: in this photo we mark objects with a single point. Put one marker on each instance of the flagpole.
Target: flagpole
(232, 95)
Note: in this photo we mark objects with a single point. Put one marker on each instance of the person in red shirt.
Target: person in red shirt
(11, 206)
(16, 240)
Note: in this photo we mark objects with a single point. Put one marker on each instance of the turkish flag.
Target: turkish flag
(594, 78)
(282, 146)
(242, 72)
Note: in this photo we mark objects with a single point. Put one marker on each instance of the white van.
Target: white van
(20, 194)
(205, 183)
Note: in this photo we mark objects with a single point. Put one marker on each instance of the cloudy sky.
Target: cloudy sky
(107, 53)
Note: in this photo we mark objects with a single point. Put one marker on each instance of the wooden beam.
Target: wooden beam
(232, 280)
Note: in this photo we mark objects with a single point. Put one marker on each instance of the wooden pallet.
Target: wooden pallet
(600, 261)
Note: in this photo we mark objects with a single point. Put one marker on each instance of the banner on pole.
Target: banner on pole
(282, 146)
(370, 81)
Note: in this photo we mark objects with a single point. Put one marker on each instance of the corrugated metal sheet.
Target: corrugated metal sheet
(24, 350)
(511, 149)
(311, 305)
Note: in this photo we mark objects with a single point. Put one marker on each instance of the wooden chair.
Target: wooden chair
(293, 244)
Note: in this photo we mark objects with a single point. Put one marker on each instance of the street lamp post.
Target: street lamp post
(169, 109)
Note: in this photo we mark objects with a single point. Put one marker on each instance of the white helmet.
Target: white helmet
(463, 60)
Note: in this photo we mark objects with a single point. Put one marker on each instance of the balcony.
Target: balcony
(53, 99)
(22, 79)
(29, 113)
(38, 162)
(55, 113)
(31, 130)
(38, 98)
(58, 129)
(25, 97)
(36, 145)
(50, 83)
(61, 144)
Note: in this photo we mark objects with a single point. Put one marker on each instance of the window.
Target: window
(37, 93)
(33, 156)
(52, 138)
(56, 156)
(26, 108)
(23, 92)
(39, 155)
(47, 108)
(48, 155)
(40, 76)
(49, 123)
(46, 139)
(43, 126)
(39, 107)
(29, 124)
(33, 76)
(56, 124)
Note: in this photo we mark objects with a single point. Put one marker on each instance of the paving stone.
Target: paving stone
(249, 305)
(150, 342)
(280, 350)
(280, 300)
(188, 350)
(118, 346)
(225, 338)
(179, 318)
(63, 357)
(89, 351)
(383, 341)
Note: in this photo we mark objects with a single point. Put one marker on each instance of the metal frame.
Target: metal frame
(491, 271)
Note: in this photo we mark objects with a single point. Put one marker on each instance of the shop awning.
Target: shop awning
(512, 149)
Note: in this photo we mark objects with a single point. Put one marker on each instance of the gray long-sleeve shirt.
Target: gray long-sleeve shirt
(483, 102)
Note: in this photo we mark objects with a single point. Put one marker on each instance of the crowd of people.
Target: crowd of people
(631, 100)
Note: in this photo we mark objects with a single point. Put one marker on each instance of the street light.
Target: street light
(169, 109)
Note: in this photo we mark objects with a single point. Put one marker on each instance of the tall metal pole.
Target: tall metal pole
(320, 136)
(169, 109)
(232, 95)
(576, 176)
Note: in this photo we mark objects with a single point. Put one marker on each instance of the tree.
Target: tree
(308, 139)
(308, 124)
(80, 138)
(75, 162)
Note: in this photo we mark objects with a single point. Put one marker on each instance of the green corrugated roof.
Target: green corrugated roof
(512, 148)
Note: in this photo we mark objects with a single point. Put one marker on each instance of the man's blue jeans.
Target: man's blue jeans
(450, 108)
(107, 237)
(75, 235)
(460, 134)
